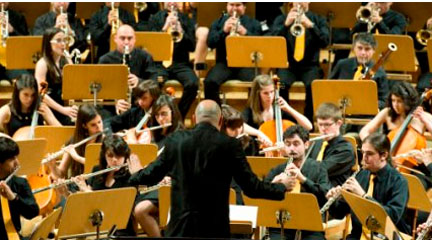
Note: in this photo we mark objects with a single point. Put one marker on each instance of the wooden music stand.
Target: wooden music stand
(91, 213)
(146, 153)
(159, 44)
(256, 52)
(31, 10)
(417, 13)
(31, 154)
(45, 227)
(354, 97)
(429, 54)
(95, 81)
(85, 10)
(261, 166)
(56, 136)
(287, 214)
(207, 12)
(338, 14)
(372, 215)
(25, 52)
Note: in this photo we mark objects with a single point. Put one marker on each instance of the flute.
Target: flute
(274, 148)
(422, 235)
(144, 190)
(154, 128)
(12, 174)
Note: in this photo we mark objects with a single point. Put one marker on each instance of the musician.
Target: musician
(385, 21)
(19, 112)
(311, 175)
(147, 92)
(335, 153)
(389, 188)
(171, 20)
(144, 15)
(88, 123)
(303, 51)
(101, 22)
(17, 192)
(260, 109)
(219, 30)
(201, 163)
(364, 45)
(424, 81)
(141, 62)
(65, 21)
(50, 69)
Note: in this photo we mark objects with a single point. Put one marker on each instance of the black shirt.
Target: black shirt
(18, 23)
(127, 120)
(346, 68)
(141, 63)
(315, 39)
(392, 23)
(216, 37)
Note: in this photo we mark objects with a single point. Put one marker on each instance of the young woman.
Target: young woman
(115, 152)
(260, 108)
(49, 69)
(88, 123)
(19, 112)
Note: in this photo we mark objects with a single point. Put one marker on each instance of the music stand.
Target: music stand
(85, 10)
(372, 215)
(354, 97)
(287, 214)
(146, 153)
(256, 52)
(25, 52)
(261, 166)
(416, 13)
(207, 12)
(92, 213)
(95, 81)
(56, 136)
(429, 54)
(159, 44)
(31, 153)
(31, 10)
(403, 59)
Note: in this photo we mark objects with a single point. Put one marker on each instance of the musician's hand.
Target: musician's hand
(293, 170)
(376, 19)
(166, 180)
(265, 141)
(241, 30)
(61, 21)
(353, 186)
(229, 23)
(122, 106)
(305, 21)
(420, 114)
(429, 23)
(284, 106)
(45, 111)
(70, 111)
(421, 227)
(333, 192)
(6, 192)
(112, 16)
(292, 15)
(134, 164)
(132, 80)
(81, 183)
(63, 188)
(425, 157)
(70, 149)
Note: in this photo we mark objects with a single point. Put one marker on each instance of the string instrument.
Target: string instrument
(370, 72)
(274, 129)
(406, 138)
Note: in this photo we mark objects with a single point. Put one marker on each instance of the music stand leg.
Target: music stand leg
(94, 89)
(96, 219)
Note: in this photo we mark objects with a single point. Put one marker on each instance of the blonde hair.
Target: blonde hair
(254, 102)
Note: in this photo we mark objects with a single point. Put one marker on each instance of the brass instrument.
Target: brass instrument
(297, 28)
(70, 40)
(116, 23)
(234, 29)
(364, 14)
(4, 25)
(173, 30)
(423, 35)
(74, 56)
(140, 6)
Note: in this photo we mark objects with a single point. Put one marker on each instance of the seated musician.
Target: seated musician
(383, 19)
(179, 25)
(303, 50)
(141, 62)
(260, 109)
(307, 174)
(115, 152)
(425, 228)
(88, 123)
(101, 24)
(228, 24)
(19, 112)
(335, 153)
(58, 17)
(424, 80)
(379, 182)
(364, 46)
(144, 14)
(16, 196)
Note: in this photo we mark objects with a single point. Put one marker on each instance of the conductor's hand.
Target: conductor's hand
(122, 106)
(333, 192)
(134, 164)
(6, 192)
(132, 80)
(289, 182)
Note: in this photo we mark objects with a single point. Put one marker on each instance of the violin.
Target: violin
(274, 129)
(406, 138)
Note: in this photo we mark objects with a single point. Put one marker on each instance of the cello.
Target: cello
(274, 129)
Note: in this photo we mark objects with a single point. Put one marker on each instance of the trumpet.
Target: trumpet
(423, 35)
(297, 29)
(4, 25)
(365, 13)
(140, 6)
(234, 29)
(70, 40)
(74, 56)
(173, 30)
(116, 23)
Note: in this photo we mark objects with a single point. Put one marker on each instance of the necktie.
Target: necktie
(299, 47)
(370, 194)
(297, 187)
(7, 220)
(320, 156)
(358, 73)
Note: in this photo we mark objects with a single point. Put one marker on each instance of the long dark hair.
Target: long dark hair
(381, 143)
(116, 145)
(176, 118)
(408, 94)
(23, 81)
(47, 54)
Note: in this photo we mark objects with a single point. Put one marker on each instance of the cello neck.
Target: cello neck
(277, 110)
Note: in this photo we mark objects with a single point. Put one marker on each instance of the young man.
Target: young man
(378, 181)
(311, 176)
(364, 46)
(335, 153)
(16, 196)
(303, 50)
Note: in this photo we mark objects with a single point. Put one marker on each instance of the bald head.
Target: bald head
(125, 36)
(208, 111)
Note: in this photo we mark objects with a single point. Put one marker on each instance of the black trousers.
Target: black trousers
(219, 74)
(306, 75)
(186, 76)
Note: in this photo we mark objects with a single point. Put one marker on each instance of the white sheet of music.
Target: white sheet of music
(244, 213)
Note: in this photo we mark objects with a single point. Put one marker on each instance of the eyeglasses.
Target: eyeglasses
(58, 41)
(325, 125)
(162, 114)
